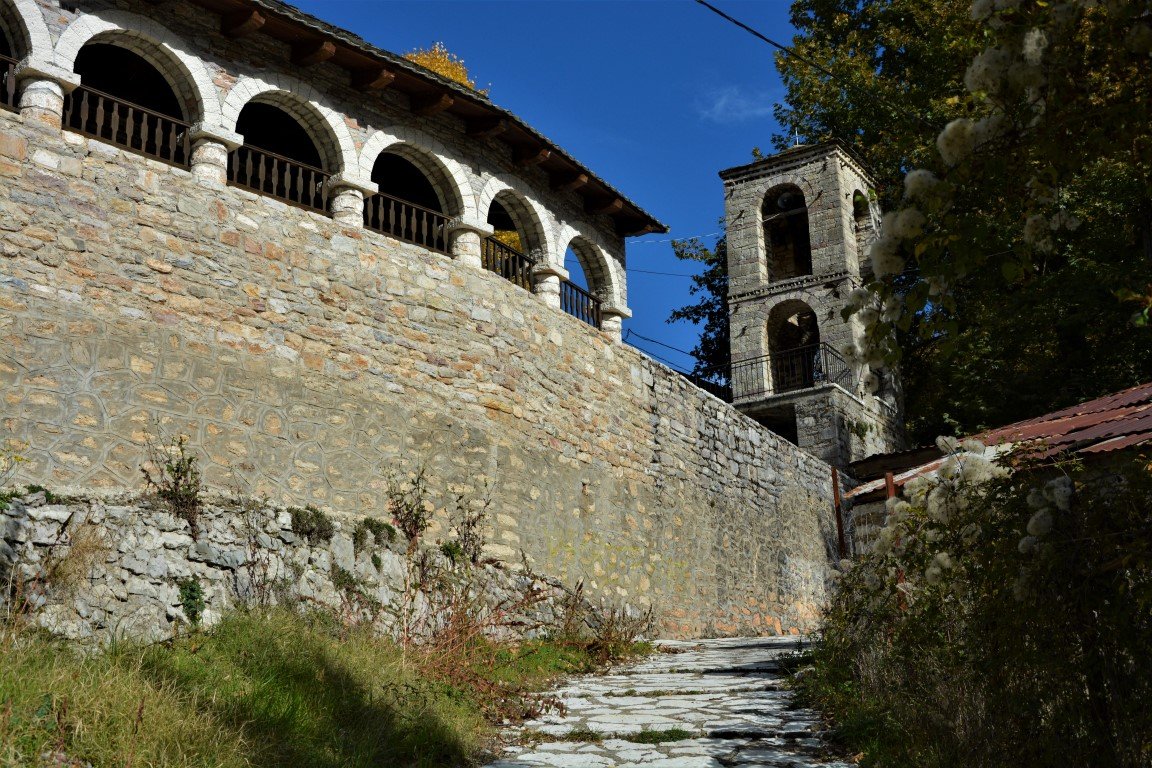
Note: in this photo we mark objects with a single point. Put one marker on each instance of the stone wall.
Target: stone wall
(306, 360)
(101, 569)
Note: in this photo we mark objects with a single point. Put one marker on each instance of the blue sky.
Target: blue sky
(655, 96)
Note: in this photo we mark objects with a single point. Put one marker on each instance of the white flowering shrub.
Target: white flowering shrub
(999, 619)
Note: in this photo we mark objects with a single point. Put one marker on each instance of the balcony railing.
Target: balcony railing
(406, 221)
(8, 83)
(280, 177)
(131, 126)
(579, 303)
(507, 262)
(780, 372)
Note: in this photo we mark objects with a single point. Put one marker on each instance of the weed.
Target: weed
(658, 737)
(312, 524)
(454, 551)
(377, 563)
(191, 599)
(171, 474)
(409, 505)
(378, 531)
(583, 733)
(469, 521)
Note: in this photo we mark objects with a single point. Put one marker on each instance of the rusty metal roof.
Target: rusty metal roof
(1109, 423)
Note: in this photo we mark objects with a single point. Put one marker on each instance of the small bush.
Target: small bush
(312, 524)
(191, 599)
(172, 475)
(409, 504)
(371, 530)
(453, 551)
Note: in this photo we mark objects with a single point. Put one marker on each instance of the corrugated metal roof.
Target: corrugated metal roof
(1109, 423)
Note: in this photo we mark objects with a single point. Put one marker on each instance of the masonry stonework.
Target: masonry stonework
(306, 359)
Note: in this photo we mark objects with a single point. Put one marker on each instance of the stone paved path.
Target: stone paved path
(728, 695)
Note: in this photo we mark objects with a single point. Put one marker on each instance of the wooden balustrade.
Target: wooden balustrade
(406, 221)
(579, 303)
(280, 177)
(131, 126)
(507, 262)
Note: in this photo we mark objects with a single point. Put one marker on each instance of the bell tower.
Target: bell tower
(799, 226)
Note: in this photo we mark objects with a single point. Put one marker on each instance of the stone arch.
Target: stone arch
(786, 233)
(525, 210)
(326, 127)
(23, 23)
(185, 73)
(447, 175)
(793, 332)
(605, 275)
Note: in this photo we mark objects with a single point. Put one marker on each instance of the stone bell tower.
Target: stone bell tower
(799, 226)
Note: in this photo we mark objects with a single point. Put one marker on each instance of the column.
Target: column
(42, 88)
(346, 201)
(547, 281)
(211, 146)
(612, 320)
(466, 237)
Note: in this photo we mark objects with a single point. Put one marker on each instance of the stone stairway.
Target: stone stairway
(707, 704)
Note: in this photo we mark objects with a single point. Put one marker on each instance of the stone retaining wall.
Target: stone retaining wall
(306, 360)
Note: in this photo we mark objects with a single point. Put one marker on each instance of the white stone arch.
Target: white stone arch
(605, 274)
(23, 23)
(446, 174)
(526, 211)
(185, 72)
(300, 100)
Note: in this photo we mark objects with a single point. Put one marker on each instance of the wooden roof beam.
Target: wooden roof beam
(371, 79)
(609, 205)
(241, 23)
(569, 182)
(634, 228)
(425, 106)
(525, 157)
(311, 52)
(486, 127)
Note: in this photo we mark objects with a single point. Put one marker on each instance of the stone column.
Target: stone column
(466, 237)
(347, 198)
(210, 148)
(547, 279)
(612, 320)
(42, 88)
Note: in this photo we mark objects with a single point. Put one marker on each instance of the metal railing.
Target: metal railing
(131, 126)
(507, 262)
(579, 303)
(280, 177)
(406, 221)
(8, 83)
(774, 374)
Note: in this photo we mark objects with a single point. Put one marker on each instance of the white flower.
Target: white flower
(1041, 523)
(860, 297)
(871, 383)
(1027, 545)
(987, 70)
(919, 184)
(868, 316)
(944, 560)
(947, 444)
(1059, 492)
(981, 9)
(1036, 232)
(891, 309)
(933, 575)
(1036, 499)
(909, 224)
(885, 255)
(1035, 43)
(845, 565)
(1064, 220)
(987, 128)
(955, 141)
(871, 580)
(972, 445)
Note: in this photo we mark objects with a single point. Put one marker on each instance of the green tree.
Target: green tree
(1027, 218)
(711, 307)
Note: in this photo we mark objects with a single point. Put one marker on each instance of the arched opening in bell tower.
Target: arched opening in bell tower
(787, 241)
(794, 347)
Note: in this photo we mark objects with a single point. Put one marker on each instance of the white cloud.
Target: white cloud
(731, 105)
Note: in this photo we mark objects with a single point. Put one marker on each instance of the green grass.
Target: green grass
(658, 737)
(260, 689)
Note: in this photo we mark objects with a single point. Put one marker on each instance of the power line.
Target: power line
(805, 60)
(660, 343)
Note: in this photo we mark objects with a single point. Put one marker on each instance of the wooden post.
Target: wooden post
(890, 487)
